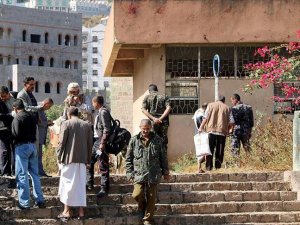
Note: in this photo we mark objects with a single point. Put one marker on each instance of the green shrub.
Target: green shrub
(54, 112)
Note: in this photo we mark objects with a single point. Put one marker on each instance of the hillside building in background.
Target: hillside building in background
(90, 8)
(20, 3)
(92, 46)
(87, 8)
(45, 45)
(54, 5)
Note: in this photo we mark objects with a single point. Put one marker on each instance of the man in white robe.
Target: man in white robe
(74, 153)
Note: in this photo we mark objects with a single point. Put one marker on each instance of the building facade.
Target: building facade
(92, 46)
(54, 5)
(162, 43)
(90, 8)
(45, 45)
(20, 3)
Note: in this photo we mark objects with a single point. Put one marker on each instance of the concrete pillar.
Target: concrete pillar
(296, 141)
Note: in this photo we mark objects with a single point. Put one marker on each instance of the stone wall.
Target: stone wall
(121, 101)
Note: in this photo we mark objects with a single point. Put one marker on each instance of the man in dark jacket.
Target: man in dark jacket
(103, 128)
(5, 140)
(243, 117)
(146, 162)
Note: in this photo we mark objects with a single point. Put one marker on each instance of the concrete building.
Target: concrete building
(42, 44)
(92, 47)
(54, 5)
(90, 8)
(162, 43)
(20, 3)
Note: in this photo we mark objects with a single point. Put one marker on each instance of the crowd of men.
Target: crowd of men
(83, 139)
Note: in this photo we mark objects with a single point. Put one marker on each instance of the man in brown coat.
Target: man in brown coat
(217, 121)
(74, 153)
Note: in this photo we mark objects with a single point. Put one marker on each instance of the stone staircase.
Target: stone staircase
(214, 198)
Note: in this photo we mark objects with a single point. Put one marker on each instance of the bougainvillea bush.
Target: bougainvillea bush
(281, 66)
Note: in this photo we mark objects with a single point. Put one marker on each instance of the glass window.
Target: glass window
(95, 61)
(95, 50)
(95, 38)
(95, 83)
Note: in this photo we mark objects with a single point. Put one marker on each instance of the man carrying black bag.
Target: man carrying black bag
(103, 127)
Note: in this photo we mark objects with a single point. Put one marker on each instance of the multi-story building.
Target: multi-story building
(55, 5)
(87, 8)
(42, 44)
(14, 2)
(90, 8)
(92, 71)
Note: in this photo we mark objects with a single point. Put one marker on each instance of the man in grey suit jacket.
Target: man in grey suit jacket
(27, 97)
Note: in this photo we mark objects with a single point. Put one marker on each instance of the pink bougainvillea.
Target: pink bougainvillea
(281, 66)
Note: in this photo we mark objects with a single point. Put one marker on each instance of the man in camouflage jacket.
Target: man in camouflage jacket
(243, 117)
(146, 162)
(157, 108)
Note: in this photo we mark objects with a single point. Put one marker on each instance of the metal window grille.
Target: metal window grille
(288, 105)
(227, 61)
(187, 65)
(95, 50)
(95, 84)
(95, 60)
(95, 38)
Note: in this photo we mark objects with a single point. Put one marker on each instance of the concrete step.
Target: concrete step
(206, 177)
(180, 187)
(177, 178)
(176, 198)
(94, 211)
(255, 218)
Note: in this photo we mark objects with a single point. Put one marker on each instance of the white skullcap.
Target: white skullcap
(73, 86)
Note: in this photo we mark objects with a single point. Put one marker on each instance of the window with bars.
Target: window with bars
(95, 84)
(95, 50)
(95, 72)
(185, 66)
(95, 61)
(287, 105)
(95, 38)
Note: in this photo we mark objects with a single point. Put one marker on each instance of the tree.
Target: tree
(280, 66)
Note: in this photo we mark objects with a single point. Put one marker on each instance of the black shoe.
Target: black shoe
(22, 207)
(40, 205)
(12, 184)
(102, 193)
(141, 215)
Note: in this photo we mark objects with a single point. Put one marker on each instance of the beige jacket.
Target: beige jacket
(218, 118)
(75, 142)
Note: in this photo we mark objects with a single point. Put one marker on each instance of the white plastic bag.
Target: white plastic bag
(202, 144)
